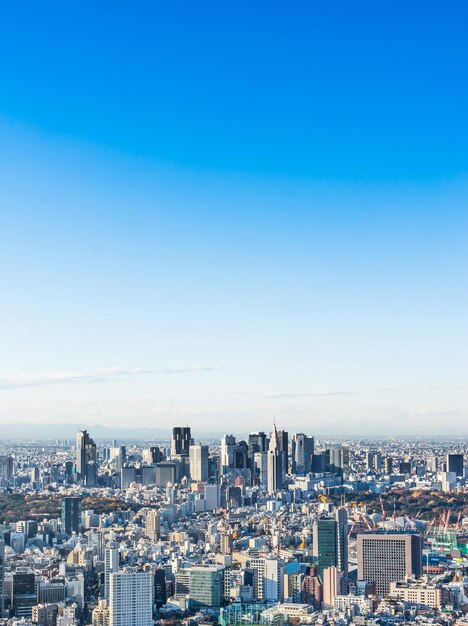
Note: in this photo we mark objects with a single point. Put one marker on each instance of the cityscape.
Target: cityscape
(276, 528)
(233, 313)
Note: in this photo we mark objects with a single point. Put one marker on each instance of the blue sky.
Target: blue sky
(216, 213)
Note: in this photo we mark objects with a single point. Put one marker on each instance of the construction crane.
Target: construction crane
(384, 513)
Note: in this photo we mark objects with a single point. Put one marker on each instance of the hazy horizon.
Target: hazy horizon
(215, 217)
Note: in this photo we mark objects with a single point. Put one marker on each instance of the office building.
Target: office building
(325, 543)
(302, 452)
(331, 585)
(275, 460)
(384, 558)
(152, 525)
(339, 460)
(268, 578)
(160, 594)
(71, 515)
(206, 587)
(131, 598)
(341, 517)
(181, 441)
(2, 576)
(455, 464)
(111, 565)
(152, 455)
(86, 460)
(6, 468)
(199, 462)
(166, 473)
(228, 447)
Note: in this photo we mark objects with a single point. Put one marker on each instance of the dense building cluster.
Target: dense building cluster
(257, 531)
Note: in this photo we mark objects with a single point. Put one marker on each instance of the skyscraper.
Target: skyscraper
(341, 517)
(228, 447)
(199, 462)
(71, 514)
(131, 598)
(181, 441)
(302, 452)
(283, 447)
(2, 575)
(384, 558)
(111, 565)
(325, 543)
(86, 459)
(455, 464)
(152, 524)
(275, 463)
(257, 442)
(160, 593)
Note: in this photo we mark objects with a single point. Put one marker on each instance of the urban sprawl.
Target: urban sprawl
(276, 528)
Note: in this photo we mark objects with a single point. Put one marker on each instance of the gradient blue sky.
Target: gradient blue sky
(221, 212)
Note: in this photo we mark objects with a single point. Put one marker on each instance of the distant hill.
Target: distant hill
(25, 431)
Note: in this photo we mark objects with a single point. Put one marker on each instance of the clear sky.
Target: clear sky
(219, 212)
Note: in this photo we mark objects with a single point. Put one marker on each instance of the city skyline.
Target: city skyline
(228, 219)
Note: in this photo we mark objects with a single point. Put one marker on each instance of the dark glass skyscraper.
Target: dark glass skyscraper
(86, 459)
(181, 440)
(71, 515)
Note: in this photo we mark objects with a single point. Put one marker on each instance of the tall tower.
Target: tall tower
(325, 548)
(228, 447)
(275, 463)
(341, 517)
(199, 462)
(181, 441)
(111, 565)
(86, 459)
(2, 575)
(71, 514)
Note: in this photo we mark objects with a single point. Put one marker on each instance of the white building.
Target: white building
(131, 598)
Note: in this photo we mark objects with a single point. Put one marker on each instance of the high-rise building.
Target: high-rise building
(228, 447)
(6, 468)
(86, 459)
(339, 459)
(2, 576)
(384, 558)
(325, 543)
(302, 452)
(388, 465)
(71, 514)
(160, 593)
(268, 578)
(152, 524)
(131, 598)
(341, 517)
(257, 442)
(261, 468)
(166, 472)
(181, 441)
(111, 565)
(331, 585)
(199, 462)
(275, 463)
(283, 447)
(206, 587)
(152, 455)
(455, 464)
